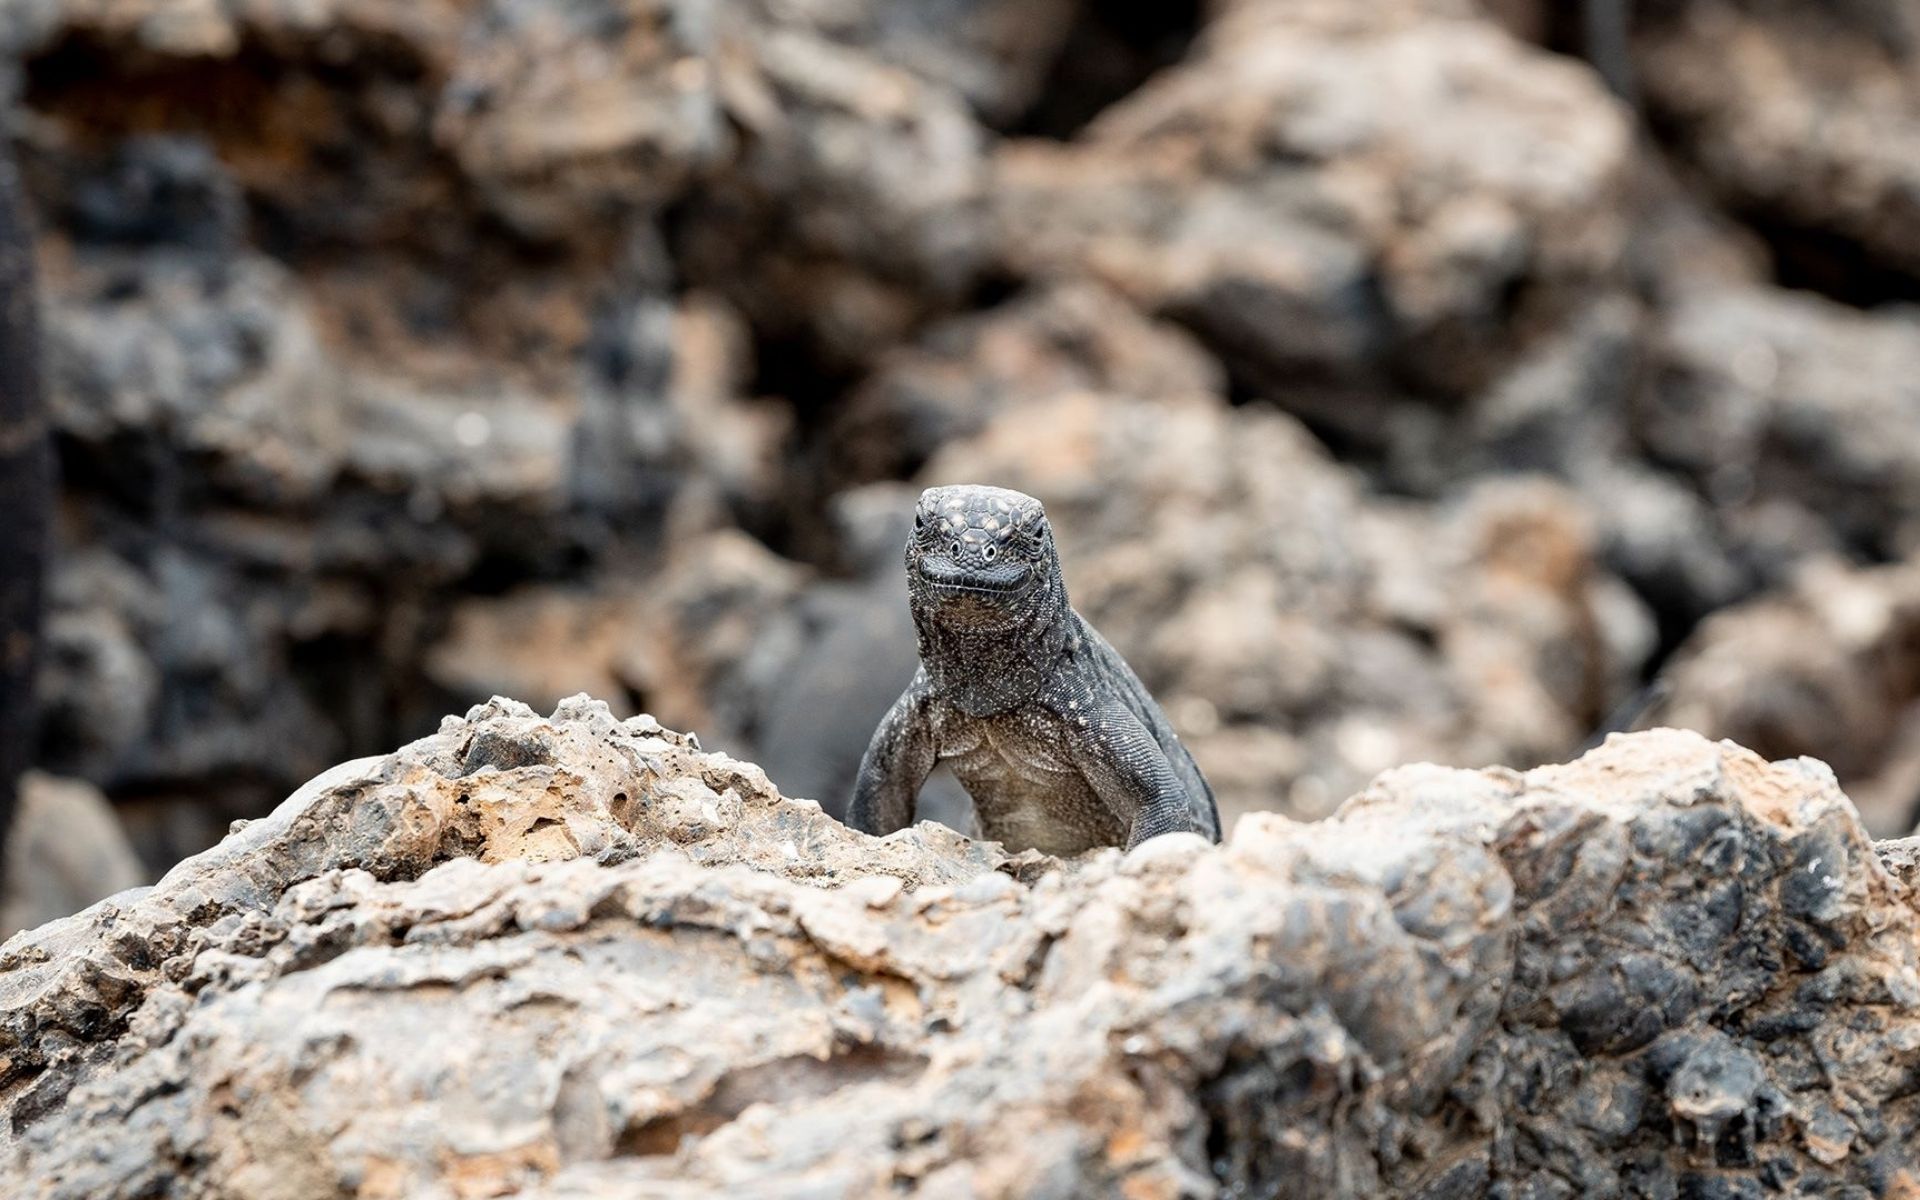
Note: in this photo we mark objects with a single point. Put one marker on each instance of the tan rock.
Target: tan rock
(66, 849)
(380, 990)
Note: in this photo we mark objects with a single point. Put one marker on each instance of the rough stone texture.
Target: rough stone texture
(402, 354)
(577, 957)
(1804, 116)
(1339, 199)
(243, 503)
(295, 427)
(356, 311)
(1832, 660)
(26, 495)
(703, 641)
(66, 849)
(1432, 242)
(1302, 633)
(960, 373)
(1798, 419)
(728, 639)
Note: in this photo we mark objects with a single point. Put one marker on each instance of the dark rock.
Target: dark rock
(26, 493)
(1824, 665)
(1776, 104)
(1283, 192)
(1795, 417)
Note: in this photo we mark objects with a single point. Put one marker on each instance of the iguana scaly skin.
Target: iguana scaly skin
(1041, 720)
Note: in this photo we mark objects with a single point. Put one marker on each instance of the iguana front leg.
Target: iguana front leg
(1123, 764)
(898, 760)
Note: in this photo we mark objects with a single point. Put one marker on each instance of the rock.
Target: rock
(1338, 201)
(585, 108)
(295, 430)
(175, 669)
(729, 641)
(545, 644)
(26, 494)
(995, 53)
(401, 355)
(575, 956)
(1795, 416)
(1566, 407)
(857, 204)
(67, 849)
(1802, 117)
(702, 641)
(947, 385)
(367, 314)
(1302, 633)
(1827, 661)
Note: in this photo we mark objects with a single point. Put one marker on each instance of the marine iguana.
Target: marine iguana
(1042, 721)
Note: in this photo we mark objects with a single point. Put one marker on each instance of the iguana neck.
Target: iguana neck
(988, 671)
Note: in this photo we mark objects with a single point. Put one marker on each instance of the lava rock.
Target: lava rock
(605, 961)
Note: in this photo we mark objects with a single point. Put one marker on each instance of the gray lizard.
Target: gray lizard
(1041, 720)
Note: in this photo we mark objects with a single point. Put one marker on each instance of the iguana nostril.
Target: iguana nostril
(989, 553)
(956, 548)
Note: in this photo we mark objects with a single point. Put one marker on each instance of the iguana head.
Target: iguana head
(982, 558)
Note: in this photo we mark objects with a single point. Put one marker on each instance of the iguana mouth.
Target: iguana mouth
(950, 578)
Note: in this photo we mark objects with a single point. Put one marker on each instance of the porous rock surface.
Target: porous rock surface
(1303, 632)
(1833, 659)
(1795, 416)
(354, 311)
(402, 354)
(1335, 196)
(573, 956)
(1803, 116)
(65, 851)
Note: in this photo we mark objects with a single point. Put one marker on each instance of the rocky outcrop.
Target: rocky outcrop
(354, 316)
(1830, 661)
(1798, 418)
(67, 849)
(1343, 202)
(328, 347)
(26, 496)
(1302, 632)
(575, 956)
(1804, 118)
(1303, 635)
(1396, 397)
(403, 355)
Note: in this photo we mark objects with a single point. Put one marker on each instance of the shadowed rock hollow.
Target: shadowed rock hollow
(573, 956)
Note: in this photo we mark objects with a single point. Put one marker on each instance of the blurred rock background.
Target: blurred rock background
(1408, 380)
